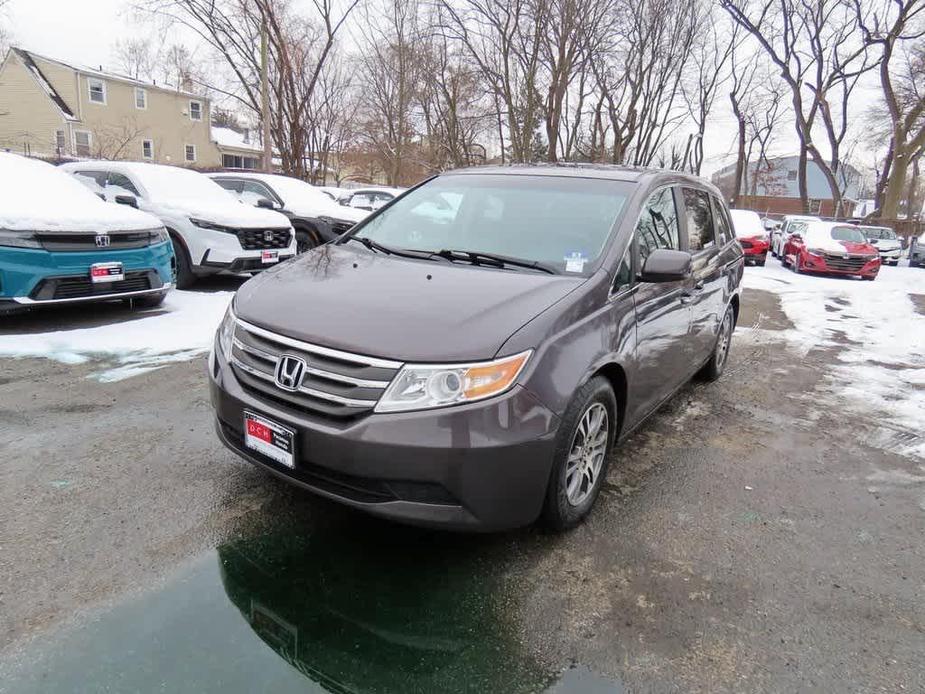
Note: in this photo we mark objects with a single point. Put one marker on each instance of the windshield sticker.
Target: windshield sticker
(575, 262)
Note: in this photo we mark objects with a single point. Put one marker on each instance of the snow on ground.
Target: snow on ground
(880, 368)
(181, 329)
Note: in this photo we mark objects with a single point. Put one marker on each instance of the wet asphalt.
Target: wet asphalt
(748, 538)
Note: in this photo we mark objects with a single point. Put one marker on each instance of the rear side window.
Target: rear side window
(229, 184)
(94, 180)
(723, 227)
(699, 219)
(658, 225)
(119, 184)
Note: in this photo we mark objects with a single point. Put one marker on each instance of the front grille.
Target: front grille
(78, 241)
(835, 261)
(80, 286)
(335, 384)
(259, 239)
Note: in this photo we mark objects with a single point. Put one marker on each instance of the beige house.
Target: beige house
(52, 109)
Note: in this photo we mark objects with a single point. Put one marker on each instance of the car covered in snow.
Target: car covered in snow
(61, 244)
(315, 217)
(886, 242)
(370, 198)
(211, 231)
(831, 248)
(791, 223)
(752, 236)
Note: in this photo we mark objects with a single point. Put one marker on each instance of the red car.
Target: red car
(832, 248)
(752, 235)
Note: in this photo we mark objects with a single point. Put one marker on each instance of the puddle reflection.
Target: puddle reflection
(374, 609)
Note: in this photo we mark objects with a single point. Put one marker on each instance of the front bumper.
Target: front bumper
(25, 272)
(250, 263)
(891, 255)
(483, 466)
(815, 263)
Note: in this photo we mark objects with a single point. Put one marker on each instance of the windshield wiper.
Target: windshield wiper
(389, 250)
(493, 260)
(370, 244)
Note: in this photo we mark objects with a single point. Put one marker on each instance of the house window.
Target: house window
(195, 110)
(82, 143)
(792, 175)
(815, 206)
(60, 142)
(141, 98)
(236, 161)
(97, 89)
(191, 153)
(147, 149)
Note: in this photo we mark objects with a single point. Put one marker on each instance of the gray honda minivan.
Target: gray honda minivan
(469, 355)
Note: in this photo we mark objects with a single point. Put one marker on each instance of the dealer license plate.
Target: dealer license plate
(269, 438)
(106, 272)
(269, 257)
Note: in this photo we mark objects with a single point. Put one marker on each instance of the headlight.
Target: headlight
(226, 331)
(419, 386)
(18, 239)
(211, 226)
(815, 251)
(159, 236)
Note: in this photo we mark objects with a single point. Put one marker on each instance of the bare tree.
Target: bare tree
(901, 75)
(117, 140)
(711, 55)
(820, 55)
(299, 49)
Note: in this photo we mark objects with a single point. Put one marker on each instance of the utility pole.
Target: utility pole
(265, 96)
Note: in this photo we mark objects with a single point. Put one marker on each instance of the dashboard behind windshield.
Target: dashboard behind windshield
(561, 222)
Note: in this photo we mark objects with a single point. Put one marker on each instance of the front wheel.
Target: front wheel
(306, 239)
(185, 276)
(714, 368)
(583, 447)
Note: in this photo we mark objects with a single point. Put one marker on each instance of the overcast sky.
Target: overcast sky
(84, 31)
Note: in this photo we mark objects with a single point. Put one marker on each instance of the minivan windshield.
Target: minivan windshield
(561, 222)
(848, 234)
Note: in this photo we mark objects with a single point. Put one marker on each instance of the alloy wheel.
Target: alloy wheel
(725, 337)
(586, 455)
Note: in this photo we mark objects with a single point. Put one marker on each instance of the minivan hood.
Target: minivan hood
(885, 244)
(231, 214)
(351, 299)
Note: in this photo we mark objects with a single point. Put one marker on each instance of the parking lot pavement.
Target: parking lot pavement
(758, 534)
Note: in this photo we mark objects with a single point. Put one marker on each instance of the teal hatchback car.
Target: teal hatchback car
(61, 244)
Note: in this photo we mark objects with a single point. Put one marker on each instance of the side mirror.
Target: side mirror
(266, 204)
(665, 265)
(129, 200)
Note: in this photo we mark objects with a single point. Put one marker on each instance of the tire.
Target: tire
(869, 279)
(796, 266)
(562, 510)
(148, 301)
(185, 276)
(714, 368)
(306, 239)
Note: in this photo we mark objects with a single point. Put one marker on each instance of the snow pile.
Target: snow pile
(880, 372)
(36, 196)
(181, 330)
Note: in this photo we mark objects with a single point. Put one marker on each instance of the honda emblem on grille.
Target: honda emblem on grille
(102, 241)
(268, 236)
(289, 372)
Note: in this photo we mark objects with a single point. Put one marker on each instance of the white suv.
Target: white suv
(315, 217)
(211, 230)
